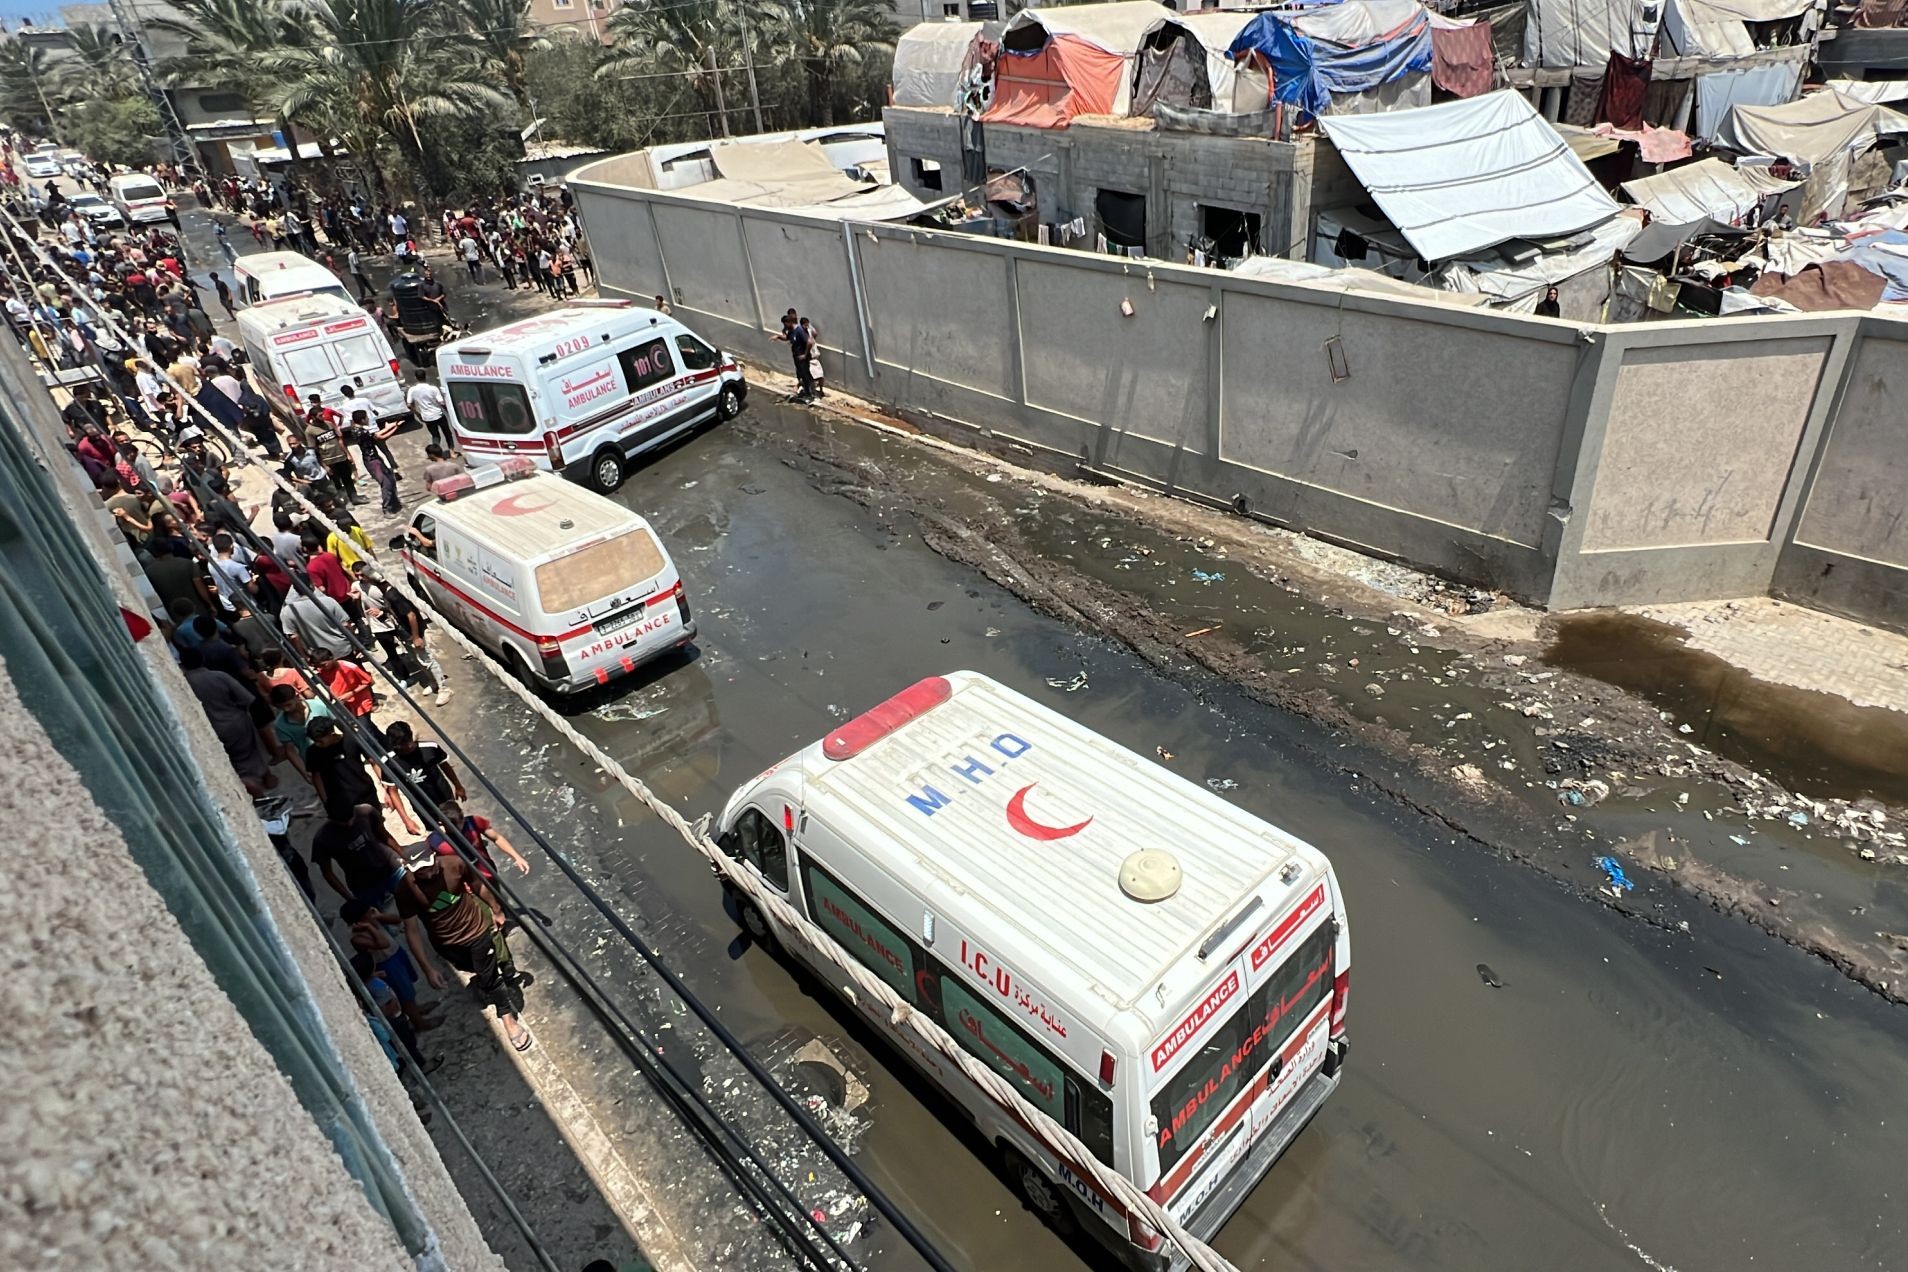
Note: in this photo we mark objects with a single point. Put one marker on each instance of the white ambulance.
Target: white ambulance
(317, 343)
(568, 588)
(1158, 970)
(583, 388)
(269, 275)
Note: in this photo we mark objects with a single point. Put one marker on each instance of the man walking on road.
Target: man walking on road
(354, 264)
(225, 294)
(426, 401)
(452, 902)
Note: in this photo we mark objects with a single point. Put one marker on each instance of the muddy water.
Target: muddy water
(1811, 742)
(1613, 1102)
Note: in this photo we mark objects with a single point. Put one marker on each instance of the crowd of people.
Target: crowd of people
(275, 631)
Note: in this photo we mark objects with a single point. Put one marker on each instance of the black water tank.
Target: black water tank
(415, 314)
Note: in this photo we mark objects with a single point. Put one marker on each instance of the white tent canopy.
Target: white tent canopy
(1117, 28)
(1880, 92)
(1815, 129)
(1566, 33)
(1715, 28)
(1709, 188)
(927, 62)
(1462, 176)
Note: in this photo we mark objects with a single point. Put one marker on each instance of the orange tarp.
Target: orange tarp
(1048, 89)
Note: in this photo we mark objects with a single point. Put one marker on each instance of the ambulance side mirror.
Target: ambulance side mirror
(730, 843)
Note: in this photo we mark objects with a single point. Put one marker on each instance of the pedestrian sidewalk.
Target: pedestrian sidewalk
(1791, 645)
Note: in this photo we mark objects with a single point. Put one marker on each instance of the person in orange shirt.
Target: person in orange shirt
(351, 687)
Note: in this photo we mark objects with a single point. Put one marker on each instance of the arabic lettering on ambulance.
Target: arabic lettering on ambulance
(1009, 987)
(588, 389)
(1007, 746)
(1017, 1067)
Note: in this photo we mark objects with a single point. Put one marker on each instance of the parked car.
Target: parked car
(95, 209)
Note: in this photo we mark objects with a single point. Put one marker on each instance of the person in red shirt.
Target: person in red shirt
(350, 684)
(327, 574)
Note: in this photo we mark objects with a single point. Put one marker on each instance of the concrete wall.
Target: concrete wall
(1571, 465)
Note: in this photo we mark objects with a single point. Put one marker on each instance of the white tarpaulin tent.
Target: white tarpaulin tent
(1371, 282)
(1715, 28)
(796, 176)
(1566, 33)
(1815, 129)
(1709, 188)
(928, 60)
(1880, 92)
(1578, 272)
(1183, 62)
(1462, 176)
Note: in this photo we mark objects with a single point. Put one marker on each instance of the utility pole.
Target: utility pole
(748, 61)
(52, 120)
(132, 35)
(715, 77)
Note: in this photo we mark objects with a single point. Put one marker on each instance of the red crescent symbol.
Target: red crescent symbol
(1018, 819)
(513, 507)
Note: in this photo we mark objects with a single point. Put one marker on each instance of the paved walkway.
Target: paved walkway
(1790, 645)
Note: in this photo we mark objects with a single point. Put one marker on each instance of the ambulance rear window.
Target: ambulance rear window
(581, 578)
(491, 406)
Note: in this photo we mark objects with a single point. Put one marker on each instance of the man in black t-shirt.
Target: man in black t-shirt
(337, 769)
(426, 764)
(354, 840)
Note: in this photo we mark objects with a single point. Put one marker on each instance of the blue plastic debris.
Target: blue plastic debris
(1613, 870)
(1208, 577)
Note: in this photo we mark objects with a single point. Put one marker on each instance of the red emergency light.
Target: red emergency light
(879, 721)
(448, 488)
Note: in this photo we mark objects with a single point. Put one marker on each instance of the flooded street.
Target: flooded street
(1704, 1100)
(1534, 1081)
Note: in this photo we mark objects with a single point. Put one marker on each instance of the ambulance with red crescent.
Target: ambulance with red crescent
(569, 589)
(583, 389)
(1156, 969)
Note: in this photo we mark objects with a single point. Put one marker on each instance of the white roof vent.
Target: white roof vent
(1151, 874)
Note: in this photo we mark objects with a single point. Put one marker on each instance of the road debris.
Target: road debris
(1074, 685)
(1613, 871)
(1485, 974)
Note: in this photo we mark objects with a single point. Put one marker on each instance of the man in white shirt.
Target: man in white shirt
(426, 401)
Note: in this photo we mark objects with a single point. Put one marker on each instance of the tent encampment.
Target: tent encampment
(1059, 64)
(1183, 62)
(1466, 175)
(798, 176)
(1565, 33)
(1351, 57)
(1719, 28)
(1708, 188)
(928, 59)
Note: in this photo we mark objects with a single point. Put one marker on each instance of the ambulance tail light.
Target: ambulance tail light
(549, 647)
(291, 391)
(1142, 1234)
(394, 369)
(879, 721)
(1341, 992)
(554, 449)
(550, 653)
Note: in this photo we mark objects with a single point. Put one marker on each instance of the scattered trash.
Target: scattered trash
(1485, 974)
(1738, 839)
(1204, 631)
(1375, 689)
(1205, 576)
(1713, 972)
(993, 477)
(1222, 783)
(934, 605)
(1163, 753)
(1469, 774)
(689, 485)
(1536, 710)
(1074, 685)
(1515, 660)
(993, 631)
(1684, 728)
(1797, 818)
(1582, 794)
(1613, 870)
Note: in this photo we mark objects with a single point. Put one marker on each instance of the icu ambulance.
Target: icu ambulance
(569, 589)
(1156, 969)
(582, 389)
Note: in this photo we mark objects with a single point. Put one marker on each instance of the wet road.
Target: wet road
(1630, 1098)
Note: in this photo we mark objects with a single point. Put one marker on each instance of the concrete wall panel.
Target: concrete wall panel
(706, 264)
(802, 266)
(622, 244)
(939, 311)
(1448, 419)
(1858, 503)
(1144, 374)
(1700, 442)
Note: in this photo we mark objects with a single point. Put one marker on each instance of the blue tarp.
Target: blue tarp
(1308, 68)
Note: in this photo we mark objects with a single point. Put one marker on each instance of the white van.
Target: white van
(570, 589)
(305, 343)
(268, 275)
(139, 198)
(1163, 973)
(583, 388)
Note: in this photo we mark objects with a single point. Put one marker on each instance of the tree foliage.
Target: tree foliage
(122, 130)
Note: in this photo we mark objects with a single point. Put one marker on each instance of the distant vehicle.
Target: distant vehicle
(267, 275)
(139, 198)
(1161, 972)
(43, 165)
(95, 209)
(570, 589)
(46, 147)
(583, 388)
(316, 342)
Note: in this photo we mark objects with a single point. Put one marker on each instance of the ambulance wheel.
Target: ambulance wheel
(606, 470)
(754, 923)
(519, 670)
(1038, 1190)
(729, 405)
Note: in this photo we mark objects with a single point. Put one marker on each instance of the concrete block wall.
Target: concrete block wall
(924, 134)
(1570, 465)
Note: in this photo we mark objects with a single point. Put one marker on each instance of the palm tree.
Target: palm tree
(692, 38)
(30, 93)
(226, 43)
(503, 30)
(395, 65)
(827, 38)
(101, 66)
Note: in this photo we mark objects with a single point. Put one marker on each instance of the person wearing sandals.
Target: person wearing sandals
(455, 907)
